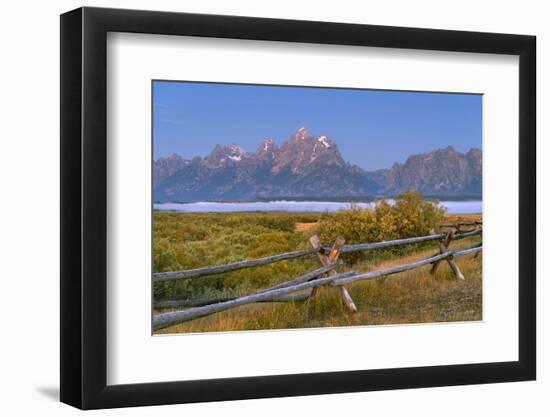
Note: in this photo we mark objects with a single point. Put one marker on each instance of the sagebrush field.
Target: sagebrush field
(193, 240)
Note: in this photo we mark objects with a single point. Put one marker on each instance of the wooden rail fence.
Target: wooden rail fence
(314, 280)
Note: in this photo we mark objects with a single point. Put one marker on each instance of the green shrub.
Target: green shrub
(409, 216)
(164, 255)
(195, 240)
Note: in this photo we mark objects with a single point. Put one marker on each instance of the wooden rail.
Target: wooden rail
(298, 280)
(206, 302)
(406, 267)
(476, 223)
(164, 320)
(218, 269)
(407, 241)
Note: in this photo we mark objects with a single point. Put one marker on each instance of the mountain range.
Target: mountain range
(310, 166)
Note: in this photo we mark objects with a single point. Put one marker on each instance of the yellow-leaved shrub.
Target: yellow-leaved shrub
(408, 216)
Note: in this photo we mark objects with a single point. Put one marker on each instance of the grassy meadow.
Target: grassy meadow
(192, 240)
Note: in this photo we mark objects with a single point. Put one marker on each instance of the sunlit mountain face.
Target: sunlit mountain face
(310, 166)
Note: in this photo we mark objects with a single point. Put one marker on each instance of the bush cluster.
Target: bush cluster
(409, 215)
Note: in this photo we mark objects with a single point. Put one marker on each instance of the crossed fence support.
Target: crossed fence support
(327, 260)
(444, 248)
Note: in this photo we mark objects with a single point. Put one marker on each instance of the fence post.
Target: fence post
(444, 247)
(330, 259)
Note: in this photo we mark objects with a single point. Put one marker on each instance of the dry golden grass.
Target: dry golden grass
(411, 297)
(463, 218)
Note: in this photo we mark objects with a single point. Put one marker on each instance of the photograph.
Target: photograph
(273, 205)
(292, 207)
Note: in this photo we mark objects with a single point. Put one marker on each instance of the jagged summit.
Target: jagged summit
(167, 166)
(302, 133)
(267, 145)
(266, 151)
(236, 153)
(308, 165)
(304, 153)
(223, 155)
(440, 172)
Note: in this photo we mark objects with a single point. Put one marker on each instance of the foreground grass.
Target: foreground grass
(410, 297)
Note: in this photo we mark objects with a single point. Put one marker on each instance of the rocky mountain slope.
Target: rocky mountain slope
(443, 172)
(309, 166)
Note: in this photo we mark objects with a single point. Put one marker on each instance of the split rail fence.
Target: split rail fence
(326, 275)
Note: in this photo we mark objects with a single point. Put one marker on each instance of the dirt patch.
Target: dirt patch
(301, 227)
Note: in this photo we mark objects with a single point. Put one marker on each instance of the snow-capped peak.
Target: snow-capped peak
(325, 141)
(235, 153)
(236, 148)
(220, 155)
(302, 133)
(267, 143)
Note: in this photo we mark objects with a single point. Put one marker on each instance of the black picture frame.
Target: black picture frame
(84, 207)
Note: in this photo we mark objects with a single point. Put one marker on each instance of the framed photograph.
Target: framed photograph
(257, 208)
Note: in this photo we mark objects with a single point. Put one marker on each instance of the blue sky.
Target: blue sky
(373, 129)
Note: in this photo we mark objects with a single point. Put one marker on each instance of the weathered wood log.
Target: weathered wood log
(454, 267)
(443, 247)
(336, 249)
(287, 298)
(200, 303)
(406, 241)
(330, 257)
(316, 273)
(405, 267)
(390, 243)
(329, 260)
(203, 302)
(164, 320)
(477, 245)
(190, 303)
(346, 299)
(326, 259)
(218, 269)
(467, 234)
(322, 255)
(476, 223)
